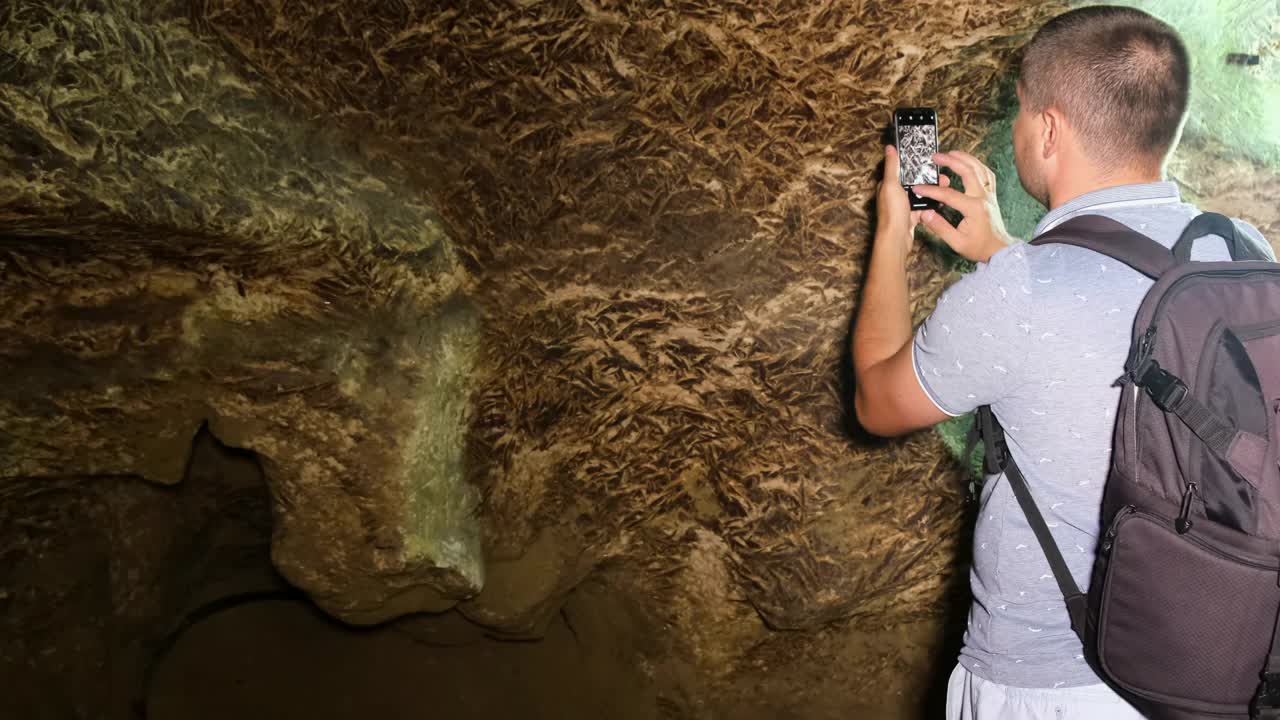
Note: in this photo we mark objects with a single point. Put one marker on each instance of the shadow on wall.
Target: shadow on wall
(956, 596)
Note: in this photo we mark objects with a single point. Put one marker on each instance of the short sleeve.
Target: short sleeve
(1253, 235)
(971, 349)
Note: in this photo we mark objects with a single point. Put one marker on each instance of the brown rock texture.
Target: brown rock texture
(179, 247)
(665, 207)
(566, 285)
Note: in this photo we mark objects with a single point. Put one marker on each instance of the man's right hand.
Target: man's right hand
(981, 233)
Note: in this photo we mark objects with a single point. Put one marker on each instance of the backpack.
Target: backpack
(1181, 614)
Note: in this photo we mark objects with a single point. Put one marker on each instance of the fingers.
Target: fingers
(984, 173)
(891, 164)
(939, 226)
(950, 197)
(978, 178)
(967, 172)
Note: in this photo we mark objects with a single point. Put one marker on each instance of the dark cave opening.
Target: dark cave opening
(131, 600)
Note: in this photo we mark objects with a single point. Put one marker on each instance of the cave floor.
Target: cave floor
(277, 659)
(282, 660)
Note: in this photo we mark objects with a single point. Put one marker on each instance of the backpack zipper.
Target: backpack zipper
(1146, 343)
(1137, 449)
(1108, 542)
(1138, 354)
(1183, 523)
(1110, 538)
(1168, 292)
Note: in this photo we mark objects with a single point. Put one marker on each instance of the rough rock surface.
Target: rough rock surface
(665, 207)
(223, 213)
(180, 247)
(621, 374)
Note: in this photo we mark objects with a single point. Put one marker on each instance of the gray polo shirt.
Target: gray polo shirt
(1040, 333)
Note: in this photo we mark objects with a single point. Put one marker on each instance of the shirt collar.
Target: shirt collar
(1153, 193)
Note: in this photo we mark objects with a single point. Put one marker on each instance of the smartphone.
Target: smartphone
(915, 133)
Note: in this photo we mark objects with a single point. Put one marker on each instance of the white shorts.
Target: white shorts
(969, 697)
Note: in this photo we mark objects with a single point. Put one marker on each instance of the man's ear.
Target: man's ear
(1051, 129)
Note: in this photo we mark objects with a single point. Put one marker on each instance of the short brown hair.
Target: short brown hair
(1120, 77)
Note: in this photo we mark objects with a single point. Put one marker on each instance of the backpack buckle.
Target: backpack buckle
(1165, 388)
(986, 429)
(994, 463)
(1266, 702)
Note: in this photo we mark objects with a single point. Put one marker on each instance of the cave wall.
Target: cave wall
(503, 298)
(180, 247)
(665, 207)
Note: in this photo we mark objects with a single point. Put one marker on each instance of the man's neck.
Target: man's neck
(1071, 190)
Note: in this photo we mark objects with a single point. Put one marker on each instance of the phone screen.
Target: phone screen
(917, 139)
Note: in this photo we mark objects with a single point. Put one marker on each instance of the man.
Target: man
(1039, 333)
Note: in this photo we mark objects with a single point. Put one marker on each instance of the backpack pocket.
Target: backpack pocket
(1184, 620)
(1227, 382)
(1262, 343)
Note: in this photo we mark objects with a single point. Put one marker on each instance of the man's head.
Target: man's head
(1102, 93)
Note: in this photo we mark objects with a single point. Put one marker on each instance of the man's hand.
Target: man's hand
(981, 233)
(895, 220)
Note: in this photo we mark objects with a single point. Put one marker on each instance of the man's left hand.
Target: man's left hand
(895, 220)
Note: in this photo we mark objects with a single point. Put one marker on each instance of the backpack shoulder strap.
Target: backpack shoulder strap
(1113, 239)
(998, 459)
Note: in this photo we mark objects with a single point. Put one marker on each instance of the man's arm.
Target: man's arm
(888, 399)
